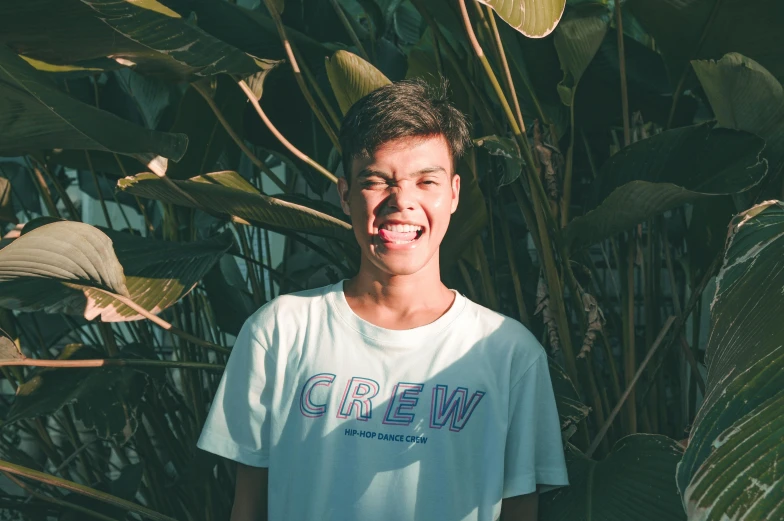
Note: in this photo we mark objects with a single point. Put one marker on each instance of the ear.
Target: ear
(455, 192)
(343, 193)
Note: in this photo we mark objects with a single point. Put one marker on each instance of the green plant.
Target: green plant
(596, 146)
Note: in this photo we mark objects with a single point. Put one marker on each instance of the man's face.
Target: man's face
(400, 202)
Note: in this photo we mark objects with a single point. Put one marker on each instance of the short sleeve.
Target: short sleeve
(237, 426)
(534, 451)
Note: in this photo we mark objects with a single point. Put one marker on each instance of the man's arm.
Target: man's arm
(250, 494)
(520, 508)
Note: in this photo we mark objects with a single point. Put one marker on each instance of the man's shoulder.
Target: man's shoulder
(298, 300)
(497, 323)
(289, 308)
(503, 332)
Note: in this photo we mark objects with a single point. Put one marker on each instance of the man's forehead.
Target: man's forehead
(418, 155)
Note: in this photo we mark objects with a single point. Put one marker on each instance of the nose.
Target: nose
(401, 197)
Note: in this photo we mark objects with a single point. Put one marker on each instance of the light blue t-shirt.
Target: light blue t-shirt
(358, 422)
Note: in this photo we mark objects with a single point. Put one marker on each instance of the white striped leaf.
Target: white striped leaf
(734, 465)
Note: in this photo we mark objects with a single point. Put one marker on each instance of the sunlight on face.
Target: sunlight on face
(400, 202)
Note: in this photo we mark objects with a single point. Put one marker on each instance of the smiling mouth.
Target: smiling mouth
(399, 234)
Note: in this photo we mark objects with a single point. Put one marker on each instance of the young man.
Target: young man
(388, 396)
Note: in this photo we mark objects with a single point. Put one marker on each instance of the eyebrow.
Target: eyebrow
(369, 172)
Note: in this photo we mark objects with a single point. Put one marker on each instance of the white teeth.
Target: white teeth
(401, 228)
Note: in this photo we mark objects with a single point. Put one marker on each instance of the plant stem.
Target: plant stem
(516, 129)
(350, 30)
(59, 502)
(688, 68)
(687, 352)
(111, 362)
(61, 192)
(598, 406)
(294, 150)
(298, 75)
(43, 190)
(475, 96)
(566, 199)
(98, 190)
(147, 223)
(509, 245)
(48, 479)
(320, 93)
(630, 387)
(236, 138)
(257, 293)
(627, 136)
(484, 271)
(437, 54)
(507, 73)
(629, 351)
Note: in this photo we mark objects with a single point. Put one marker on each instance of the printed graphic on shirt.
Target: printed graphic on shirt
(448, 407)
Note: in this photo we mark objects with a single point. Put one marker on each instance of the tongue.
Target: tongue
(388, 235)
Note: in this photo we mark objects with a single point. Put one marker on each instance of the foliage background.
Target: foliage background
(621, 201)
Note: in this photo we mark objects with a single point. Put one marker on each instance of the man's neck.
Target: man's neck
(398, 301)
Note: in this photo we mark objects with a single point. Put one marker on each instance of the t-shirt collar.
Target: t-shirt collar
(398, 337)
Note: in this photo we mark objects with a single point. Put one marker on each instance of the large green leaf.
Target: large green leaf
(597, 100)
(508, 152)
(157, 273)
(35, 114)
(577, 39)
(734, 465)
(745, 96)
(35, 268)
(665, 171)
(708, 29)
(252, 31)
(146, 33)
(634, 482)
(533, 18)
(228, 195)
(57, 267)
(352, 78)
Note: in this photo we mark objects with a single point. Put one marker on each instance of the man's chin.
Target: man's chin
(398, 265)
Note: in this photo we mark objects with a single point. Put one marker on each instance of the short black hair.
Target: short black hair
(406, 108)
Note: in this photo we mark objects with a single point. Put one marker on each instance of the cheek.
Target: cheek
(442, 203)
(362, 209)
